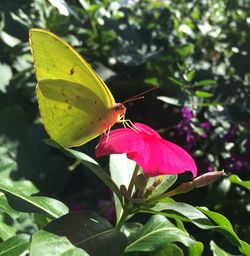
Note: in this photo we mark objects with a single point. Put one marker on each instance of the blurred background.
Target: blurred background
(196, 52)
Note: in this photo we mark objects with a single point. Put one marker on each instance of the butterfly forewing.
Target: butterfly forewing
(56, 59)
(75, 104)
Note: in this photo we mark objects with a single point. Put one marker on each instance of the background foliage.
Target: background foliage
(197, 52)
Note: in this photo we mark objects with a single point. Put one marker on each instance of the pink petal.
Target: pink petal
(161, 157)
(145, 146)
(120, 141)
(147, 130)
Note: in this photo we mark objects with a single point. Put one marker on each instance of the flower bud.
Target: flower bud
(198, 182)
(207, 178)
(141, 182)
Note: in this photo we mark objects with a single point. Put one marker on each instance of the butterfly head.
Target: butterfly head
(120, 109)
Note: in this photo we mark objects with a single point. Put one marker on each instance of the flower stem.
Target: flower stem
(122, 219)
(133, 179)
(159, 197)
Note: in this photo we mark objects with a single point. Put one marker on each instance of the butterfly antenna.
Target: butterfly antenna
(139, 96)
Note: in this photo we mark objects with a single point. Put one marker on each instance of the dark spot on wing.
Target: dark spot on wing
(95, 102)
(72, 71)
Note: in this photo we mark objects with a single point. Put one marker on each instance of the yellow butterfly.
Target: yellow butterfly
(75, 104)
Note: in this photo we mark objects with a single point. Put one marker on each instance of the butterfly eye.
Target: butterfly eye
(119, 106)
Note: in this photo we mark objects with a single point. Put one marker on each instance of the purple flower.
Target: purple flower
(206, 165)
(235, 163)
(186, 113)
(206, 126)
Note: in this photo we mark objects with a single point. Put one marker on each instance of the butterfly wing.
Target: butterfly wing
(73, 100)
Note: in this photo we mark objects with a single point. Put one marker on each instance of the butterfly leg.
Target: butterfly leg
(99, 141)
(107, 131)
(128, 123)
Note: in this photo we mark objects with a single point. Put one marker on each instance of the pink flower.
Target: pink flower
(148, 149)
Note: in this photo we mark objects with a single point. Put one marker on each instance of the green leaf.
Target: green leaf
(166, 183)
(26, 186)
(203, 94)
(196, 249)
(91, 164)
(5, 207)
(5, 74)
(155, 233)
(185, 51)
(41, 220)
(205, 82)
(86, 230)
(198, 217)
(6, 166)
(121, 171)
(175, 81)
(167, 250)
(131, 227)
(226, 229)
(217, 251)
(6, 231)
(151, 81)
(15, 245)
(8, 39)
(36, 204)
(45, 243)
(169, 100)
(189, 75)
(236, 180)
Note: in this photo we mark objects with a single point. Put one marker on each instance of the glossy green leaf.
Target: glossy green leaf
(45, 243)
(226, 229)
(167, 250)
(121, 170)
(5, 207)
(203, 94)
(86, 230)
(236, 180)
(41, 220)
(130, 228)
(198, 217)
(155, 233)
(166, 182)
(36, 204)
(26, 186)
(196, 249)
(15, 245)
(6, 231)
(217, 251)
